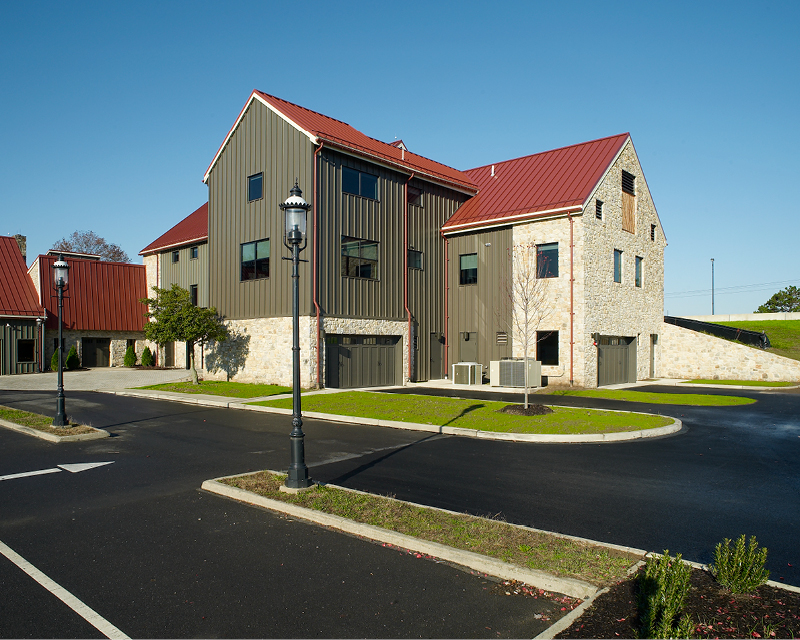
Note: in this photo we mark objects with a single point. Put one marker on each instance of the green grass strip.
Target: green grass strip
(784, 335)
(471, 414)
(40, 422)
(490, 537)
(685, 399)
(222, 388)
(743, 383)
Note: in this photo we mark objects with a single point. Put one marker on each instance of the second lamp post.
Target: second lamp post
(296, 212)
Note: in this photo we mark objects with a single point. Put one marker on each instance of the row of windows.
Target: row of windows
(637, 271)
(193, 253)
(355, 182)
(546, 264)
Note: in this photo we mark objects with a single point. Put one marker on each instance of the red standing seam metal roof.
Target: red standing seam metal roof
(524, 188)
(101, 296)
(193, 228)
(340, 134)
(17, 293)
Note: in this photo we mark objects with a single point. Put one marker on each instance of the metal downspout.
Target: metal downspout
(571, 300)
(314, 267)
(446, 299)
(405, 271)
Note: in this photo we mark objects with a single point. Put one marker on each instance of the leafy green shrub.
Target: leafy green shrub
(662, 592)
(130, 357)
(72, 361)
(54, 360)
(741, 568)
(147, 358)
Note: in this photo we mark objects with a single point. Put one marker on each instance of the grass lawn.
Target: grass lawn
(471, 414)
(40, 422)
(222, 388)
(686, 399)
(493, 538)
(784, 335)
(744, 383)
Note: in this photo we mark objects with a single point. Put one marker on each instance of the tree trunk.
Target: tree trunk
(190, 346)
(525, 364)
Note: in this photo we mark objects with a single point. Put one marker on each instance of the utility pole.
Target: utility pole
(712, 286)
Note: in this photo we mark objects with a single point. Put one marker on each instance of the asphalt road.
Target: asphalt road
(138, 543)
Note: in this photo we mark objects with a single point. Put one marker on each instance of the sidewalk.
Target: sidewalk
(98, 379)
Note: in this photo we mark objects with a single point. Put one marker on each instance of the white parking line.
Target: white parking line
(83, 610)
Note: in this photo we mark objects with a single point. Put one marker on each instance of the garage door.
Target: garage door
(361, 361)
(616, 360)
(96, 352)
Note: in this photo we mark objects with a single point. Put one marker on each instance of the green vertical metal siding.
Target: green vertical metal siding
(13, 330)
(473, 308)
(186, 271)
(263, 142)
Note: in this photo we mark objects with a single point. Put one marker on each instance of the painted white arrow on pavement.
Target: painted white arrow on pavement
(72, 468)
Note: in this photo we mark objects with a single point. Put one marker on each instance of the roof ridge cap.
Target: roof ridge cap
(299, 106)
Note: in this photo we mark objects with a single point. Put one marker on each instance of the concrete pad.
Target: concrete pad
(93, 379)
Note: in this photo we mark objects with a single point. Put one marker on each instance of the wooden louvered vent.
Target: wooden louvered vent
(628, 202)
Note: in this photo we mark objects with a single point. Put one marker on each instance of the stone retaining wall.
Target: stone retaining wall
(690, 354)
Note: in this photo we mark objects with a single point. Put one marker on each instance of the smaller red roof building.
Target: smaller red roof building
(101, 296)
(18, 297)
(193, 228)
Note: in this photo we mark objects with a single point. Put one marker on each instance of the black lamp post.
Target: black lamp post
(60, 281)
(296, 211)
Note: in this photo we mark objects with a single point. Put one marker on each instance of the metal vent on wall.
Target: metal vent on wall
(628, 182)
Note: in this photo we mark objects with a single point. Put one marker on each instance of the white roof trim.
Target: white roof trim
(283, 116)
(182, 243)
(505, 221)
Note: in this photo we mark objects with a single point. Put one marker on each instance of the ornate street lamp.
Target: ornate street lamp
(60, 282)
(295, 210)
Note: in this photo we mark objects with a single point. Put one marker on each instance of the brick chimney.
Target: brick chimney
(22, 241)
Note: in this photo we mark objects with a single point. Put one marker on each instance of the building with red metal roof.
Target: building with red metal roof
(410, 260)
(21, 314)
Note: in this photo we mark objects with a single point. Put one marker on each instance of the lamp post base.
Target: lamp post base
(60, 419)
(294, 490)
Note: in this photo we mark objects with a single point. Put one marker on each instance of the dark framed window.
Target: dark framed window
(193, 253)
(637, 276)
(26, 350)
(415, 196)
(617, 265)
(255, 260)
(255, 187)
(547, 347)
(468, 264)
(547, 260)
(598, 209)
(176, 255)
(414, 259)
(628, 183)
(359, 258)
(193, 293)
(359, 183)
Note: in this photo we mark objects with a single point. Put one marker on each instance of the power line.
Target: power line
(745, 288)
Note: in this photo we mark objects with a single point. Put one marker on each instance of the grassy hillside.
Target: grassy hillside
(784, 335)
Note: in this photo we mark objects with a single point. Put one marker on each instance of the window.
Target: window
(415, 196)
(193, 253)
(193, 293)
(26, 350)
(359, 258)
(176, 255)
(598, 209)
(359, 183)
(547, 347)
(255, 187)
(255, 260)
(547, 260)
(414, 259)
(469, 268)
(637, 278)
(617, 265)
(502, 337)
(653, 232)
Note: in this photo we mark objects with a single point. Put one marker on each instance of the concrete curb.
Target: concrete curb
(567, 621)
(50, 437)
(568, 586)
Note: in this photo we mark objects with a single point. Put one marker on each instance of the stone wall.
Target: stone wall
(119, 343)
(690, 355)
(33, 274)
(369, 327)
(622, 309)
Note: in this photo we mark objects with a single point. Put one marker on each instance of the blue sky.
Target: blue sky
(111, 112)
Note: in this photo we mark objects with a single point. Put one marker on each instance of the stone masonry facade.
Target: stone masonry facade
(688, 354)
(119, 344)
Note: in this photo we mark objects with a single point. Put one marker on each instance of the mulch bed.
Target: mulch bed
(520, 410)
(769, 612)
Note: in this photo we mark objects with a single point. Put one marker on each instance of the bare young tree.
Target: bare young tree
(524, 304)
(90, 242)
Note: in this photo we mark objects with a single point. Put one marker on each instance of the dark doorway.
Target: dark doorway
(96, 352)
(616, 360)
(469, 346)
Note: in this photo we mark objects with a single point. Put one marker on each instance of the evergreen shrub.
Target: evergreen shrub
(130, 357)
(662, 592)
(72, 361)
(147, 358)
(741, 568)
